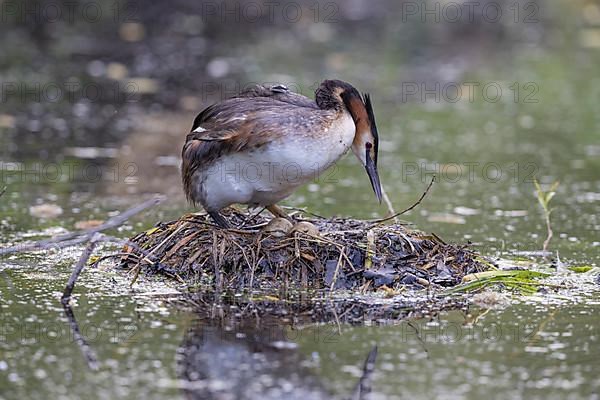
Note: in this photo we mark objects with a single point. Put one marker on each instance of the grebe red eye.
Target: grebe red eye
(368, 145)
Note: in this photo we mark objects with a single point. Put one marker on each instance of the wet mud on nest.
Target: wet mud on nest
(340, 254)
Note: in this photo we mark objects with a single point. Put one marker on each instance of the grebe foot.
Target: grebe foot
(219, 219)
(278, 212)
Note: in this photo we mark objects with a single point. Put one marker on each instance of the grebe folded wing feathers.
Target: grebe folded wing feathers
(280, 93)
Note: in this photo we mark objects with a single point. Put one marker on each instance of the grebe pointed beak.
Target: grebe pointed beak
(371, 168)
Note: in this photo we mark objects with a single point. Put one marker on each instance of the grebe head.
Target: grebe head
(341, 95)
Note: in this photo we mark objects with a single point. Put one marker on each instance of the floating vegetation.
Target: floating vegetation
(522, 281)
(338, 254)
(580, 269)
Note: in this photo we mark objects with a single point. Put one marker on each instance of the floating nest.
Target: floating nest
(338, 254)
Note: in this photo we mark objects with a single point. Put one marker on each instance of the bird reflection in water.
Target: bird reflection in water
(253, 361)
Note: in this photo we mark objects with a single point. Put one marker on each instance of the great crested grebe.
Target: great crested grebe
(260, 146)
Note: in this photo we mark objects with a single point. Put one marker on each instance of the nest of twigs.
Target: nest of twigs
(341, 254)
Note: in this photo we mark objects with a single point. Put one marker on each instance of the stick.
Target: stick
(336, 272)
(364, 386)
(88, 352)
(74, 238)
(370, 251)
(419, 338)
(87, 252)
(251, 217)
(97, 237)
(304, 211)
(389, 205)
(409, 208)
(2, 191)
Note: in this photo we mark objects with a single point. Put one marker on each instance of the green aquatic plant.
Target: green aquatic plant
(544, 198)
(580, 269)
(522, 281)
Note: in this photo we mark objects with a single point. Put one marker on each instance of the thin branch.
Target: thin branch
(87, 252)
(145, 253)
(2, 191)
(251, 218)
(74, 238)
(303, 210)
(85, 255)
(364, 386)
(86, 349)
(116, 255)
(419, 338)
(337, 271)
(389, 205)
(409, 208)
